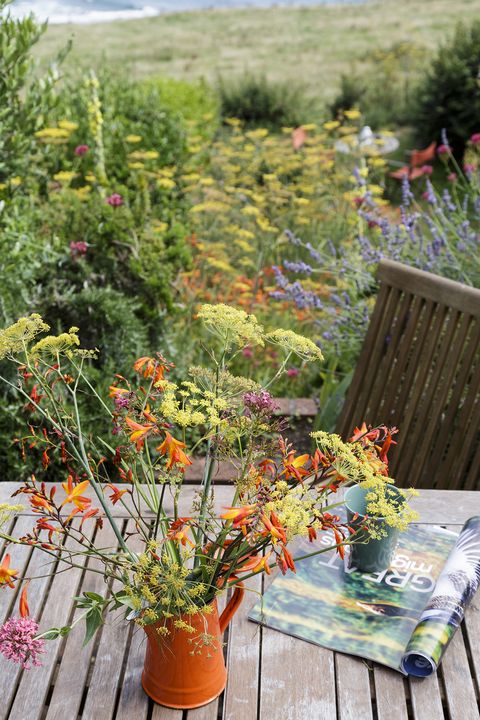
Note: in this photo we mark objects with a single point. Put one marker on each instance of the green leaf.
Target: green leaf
(93, 621)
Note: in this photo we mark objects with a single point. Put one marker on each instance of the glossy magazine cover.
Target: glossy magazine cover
(376, 615)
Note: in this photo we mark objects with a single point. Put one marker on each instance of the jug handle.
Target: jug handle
(232, 606)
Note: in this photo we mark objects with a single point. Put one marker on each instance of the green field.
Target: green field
(312, 46)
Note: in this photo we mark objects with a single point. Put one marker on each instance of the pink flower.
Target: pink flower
(427, 169)
(443, 150)
(81, 150)
(18, 642)
(115, 200)
(247, 352)
(293, 372)
(78, 248)
(475, 139)
(452, 177)
(469, 168)
(259, 403)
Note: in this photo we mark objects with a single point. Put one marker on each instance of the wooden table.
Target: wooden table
(271, 675)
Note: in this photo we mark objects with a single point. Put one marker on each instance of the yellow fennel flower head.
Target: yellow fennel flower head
(7, 512)
(233, 326)
(291, 341)
(57, 344)
(389, 504)
(15, 338)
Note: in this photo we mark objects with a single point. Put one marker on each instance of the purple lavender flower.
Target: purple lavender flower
(298, 267)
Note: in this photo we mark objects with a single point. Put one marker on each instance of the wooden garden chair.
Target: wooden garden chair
(419, 370)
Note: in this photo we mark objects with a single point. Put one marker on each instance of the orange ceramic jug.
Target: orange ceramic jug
(175, 677)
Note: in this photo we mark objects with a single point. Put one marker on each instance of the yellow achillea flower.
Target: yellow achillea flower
(133, 138)
(64, 176)
(353, 114)
(53, 136)
(331, 125)
(166, 183)
(143, 155)
(210, 206)
(295, 343)
(67, 125)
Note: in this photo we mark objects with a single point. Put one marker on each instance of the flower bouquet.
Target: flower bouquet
(181, 548)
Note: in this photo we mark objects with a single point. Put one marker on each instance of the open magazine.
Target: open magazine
(403, 617)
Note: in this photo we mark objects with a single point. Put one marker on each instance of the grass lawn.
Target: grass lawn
(312, 45)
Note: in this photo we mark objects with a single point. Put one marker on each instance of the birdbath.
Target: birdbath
(366, 142)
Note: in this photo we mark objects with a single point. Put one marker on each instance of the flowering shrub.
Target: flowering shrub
(188, 554)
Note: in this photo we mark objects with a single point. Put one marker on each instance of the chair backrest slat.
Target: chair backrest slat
(419, 369)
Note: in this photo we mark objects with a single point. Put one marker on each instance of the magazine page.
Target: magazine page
(445, 610)
(370, 615)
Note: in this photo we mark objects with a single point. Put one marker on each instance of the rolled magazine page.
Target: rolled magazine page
(445, 610)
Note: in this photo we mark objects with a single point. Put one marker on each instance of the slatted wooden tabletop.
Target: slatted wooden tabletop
(271, 675)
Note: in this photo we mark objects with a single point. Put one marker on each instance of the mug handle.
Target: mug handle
(232, 606)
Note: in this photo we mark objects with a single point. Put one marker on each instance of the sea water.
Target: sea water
(91, 11)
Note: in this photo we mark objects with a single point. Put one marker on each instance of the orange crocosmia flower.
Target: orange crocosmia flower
(148, 415)
(150, 368)
(256, 564)
(23, 603)
(174, 449)
(45, 460)
(114, 391)
(178, 531)
(89, 514)
(74, 494)
(286, 561)
(274, 527)
(116, 493)
(294, 466)
(140, 432)
(7, 575)
(39, 503)
(239, 515)
(358, 432)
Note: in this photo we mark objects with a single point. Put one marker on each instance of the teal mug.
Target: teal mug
(368, 554)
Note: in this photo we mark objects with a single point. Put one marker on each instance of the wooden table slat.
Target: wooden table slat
(472, 626)
(72, 674)
(297, 677)
(390, 694)
(106, 676)
(243, 658)
(353, 688)
(426, 698)
(33, 687)
(38, 564)
(459, 687)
